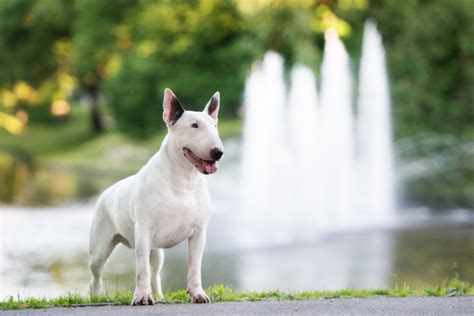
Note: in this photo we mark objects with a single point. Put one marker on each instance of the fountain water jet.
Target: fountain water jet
(337, 141)
(376, 192)
(306, 169)
(264, 158)
(304, 135)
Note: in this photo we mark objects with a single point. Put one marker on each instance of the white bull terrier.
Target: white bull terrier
(166, 202)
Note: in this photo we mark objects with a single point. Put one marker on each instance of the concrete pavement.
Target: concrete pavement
(341, 306)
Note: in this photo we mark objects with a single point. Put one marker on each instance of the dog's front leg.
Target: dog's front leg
(142, 294)
(196, 245)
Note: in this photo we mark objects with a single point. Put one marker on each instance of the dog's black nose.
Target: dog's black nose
(216, 153)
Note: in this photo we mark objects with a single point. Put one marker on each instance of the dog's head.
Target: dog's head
(194, 134)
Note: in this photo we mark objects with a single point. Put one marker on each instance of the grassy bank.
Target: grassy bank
(73, 140)
(51, 164)
(118, 153)
(221, 293)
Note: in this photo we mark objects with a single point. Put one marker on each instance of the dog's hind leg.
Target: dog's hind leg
(103, 240)
(157, 257)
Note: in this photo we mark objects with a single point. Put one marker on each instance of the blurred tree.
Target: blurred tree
(285, 27)
(29, 31)
(34, 47)
(430, 51)
(97, 38)
(196, 47)
(134, 97)
(193, 47)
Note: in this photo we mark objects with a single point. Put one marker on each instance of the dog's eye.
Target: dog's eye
(194, 125)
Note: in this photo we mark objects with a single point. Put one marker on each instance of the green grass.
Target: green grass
(221, 293)
(49, 138)
(73, 146)
(90, 161)
(117, 154)
(72, 137)
(95, 150)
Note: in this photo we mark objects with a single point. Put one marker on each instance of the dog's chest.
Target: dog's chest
(177, 219)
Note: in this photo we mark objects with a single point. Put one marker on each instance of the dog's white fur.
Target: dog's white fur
(165, 203)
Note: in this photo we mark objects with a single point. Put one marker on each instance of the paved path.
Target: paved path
(373, 306)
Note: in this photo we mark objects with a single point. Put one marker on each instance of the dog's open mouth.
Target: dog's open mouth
(204, 166)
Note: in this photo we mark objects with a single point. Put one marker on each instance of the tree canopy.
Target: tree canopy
(124, 53)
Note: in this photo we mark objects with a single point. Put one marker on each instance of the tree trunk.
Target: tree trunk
(97, 123)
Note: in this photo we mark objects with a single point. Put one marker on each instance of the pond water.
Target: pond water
(44, 252)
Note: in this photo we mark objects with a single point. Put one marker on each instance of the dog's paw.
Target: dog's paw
(142, 298)
(95, 287)
(198, 296)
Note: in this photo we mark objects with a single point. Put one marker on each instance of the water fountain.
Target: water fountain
(265, 157)
(376, 183)
(337, 141)
(311, 165)
(303, 120)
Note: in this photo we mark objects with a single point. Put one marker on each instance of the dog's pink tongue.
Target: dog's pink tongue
(209, 168)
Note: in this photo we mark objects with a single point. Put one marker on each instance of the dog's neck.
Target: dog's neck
(171, 166)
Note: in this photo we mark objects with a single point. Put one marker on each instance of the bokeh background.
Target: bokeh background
(81, 86)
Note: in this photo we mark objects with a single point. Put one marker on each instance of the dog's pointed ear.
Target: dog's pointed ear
(212, 107)
(172, 108)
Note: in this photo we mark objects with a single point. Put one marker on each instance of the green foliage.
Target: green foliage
(194, 47)
(197, 47)
(431, 60)
(88, 161)
(444, 189)
(447, 177)
(39, 139)
(134, 98)
(222, 293)
(96, 37)
(30, 32)
(285, 27)
(34, 49)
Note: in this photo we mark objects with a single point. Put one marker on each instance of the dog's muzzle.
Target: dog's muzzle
(202, 165)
